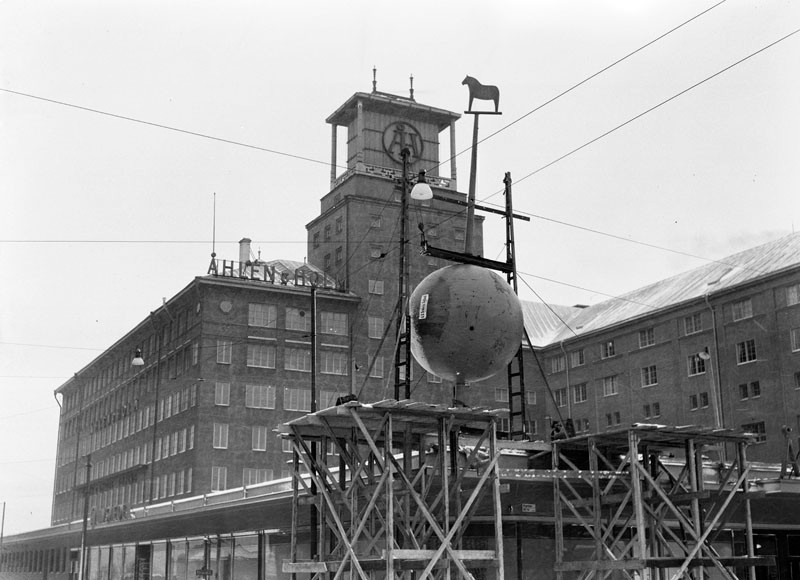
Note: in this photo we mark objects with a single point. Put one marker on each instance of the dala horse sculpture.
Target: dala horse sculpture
(482, 92)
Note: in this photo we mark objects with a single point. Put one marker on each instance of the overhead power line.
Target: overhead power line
(586, 80)
(167, 127)
(653, 108)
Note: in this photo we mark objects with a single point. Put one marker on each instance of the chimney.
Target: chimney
(244, 251)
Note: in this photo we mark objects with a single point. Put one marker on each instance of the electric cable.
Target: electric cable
(584, 81)
(169, 128)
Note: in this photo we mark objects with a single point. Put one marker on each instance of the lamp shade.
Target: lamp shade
(421, 192)
(137, 361)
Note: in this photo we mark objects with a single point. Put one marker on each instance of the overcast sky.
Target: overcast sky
(103, 216)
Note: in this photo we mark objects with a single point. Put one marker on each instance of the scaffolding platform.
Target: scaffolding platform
(642, 497)
(402, 494)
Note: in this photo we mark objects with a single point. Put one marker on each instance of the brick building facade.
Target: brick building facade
(229, 357)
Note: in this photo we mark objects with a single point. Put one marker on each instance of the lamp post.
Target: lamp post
(85, 524)
(421, 191)
(716, 398)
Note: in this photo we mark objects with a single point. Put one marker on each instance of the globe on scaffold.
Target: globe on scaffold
(466, 323)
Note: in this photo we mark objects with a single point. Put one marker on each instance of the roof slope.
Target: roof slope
(720, 275)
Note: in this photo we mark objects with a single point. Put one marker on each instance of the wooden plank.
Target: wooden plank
(579, 565)
(428, 554)
(309, 567)
(668, 562)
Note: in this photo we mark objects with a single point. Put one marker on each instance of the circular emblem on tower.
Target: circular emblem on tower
(398, 135)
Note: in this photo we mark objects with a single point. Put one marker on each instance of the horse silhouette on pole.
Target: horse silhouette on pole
(482, 92)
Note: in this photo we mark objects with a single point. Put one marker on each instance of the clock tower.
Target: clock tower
(357, 236)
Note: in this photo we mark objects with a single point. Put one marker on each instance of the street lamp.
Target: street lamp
(137, 361)
(421, 190)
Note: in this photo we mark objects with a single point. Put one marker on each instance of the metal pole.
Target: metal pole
(155, 408)
(404, 349)
(82, 571)
(473, 173)
(313, 507)
(2, 527)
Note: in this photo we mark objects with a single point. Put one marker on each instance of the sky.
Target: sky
(125, 126)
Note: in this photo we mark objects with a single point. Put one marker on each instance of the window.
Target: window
(222, 394)
(224, 350)
(610, 386)
(693, 324)
(530, 397)
(793, 295)
(252, 476)
(374, 221)
(297, 319)
(758, 429)
(750, 390)
(259, 397)
(647, 337)
(744, 392)
(795, 337)
(742, 309)
(607, 349)
(295, 399)
(286, 446)
(376, 286)
(219, 478)
(339, 255)
(693, 404)
(531, 427)
(501, 395)
(561, 397)
(327, 261)
(433, 378)
(316, 239)
(377, 368)
(265, 315)
(333, 323)
(652, 410)
(375, 326)
(261, 355)
(459, 233)
(746, 351)
(704, 400)
(557, 364)
(649, 376)
(220, 435)
(333, 362)
(613, 419)
(259, 437)
(327, 230)
(797, 380)
(696, 365)
(576, 358)
(579, 393)
(339, 225)
(297, 359)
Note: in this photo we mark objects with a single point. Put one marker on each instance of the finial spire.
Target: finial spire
(411, 87)
(374, 79)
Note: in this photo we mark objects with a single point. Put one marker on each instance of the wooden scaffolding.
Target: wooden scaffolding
(401, 494)
(642, 497)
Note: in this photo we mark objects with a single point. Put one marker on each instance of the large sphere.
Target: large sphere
(466, 323)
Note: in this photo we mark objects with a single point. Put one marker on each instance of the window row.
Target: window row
(264, 397)
(264, 355)
(266, 316)
(171, 484)
(174, 443)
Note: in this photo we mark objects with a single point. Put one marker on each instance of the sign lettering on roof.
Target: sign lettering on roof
(270, 274)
